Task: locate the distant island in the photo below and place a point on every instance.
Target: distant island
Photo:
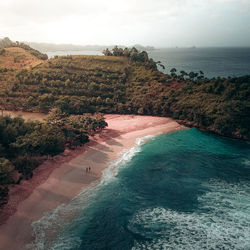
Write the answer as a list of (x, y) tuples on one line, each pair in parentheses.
[(52, 47)]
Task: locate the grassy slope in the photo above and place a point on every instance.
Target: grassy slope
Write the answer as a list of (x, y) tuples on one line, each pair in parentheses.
[(18, 58)]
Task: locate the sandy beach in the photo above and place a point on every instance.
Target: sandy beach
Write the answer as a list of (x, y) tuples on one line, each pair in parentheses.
[(57, 181)]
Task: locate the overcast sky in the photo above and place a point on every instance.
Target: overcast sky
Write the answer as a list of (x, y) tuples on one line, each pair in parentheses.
[(161, 23)]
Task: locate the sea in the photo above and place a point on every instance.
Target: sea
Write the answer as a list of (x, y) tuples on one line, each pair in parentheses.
[(182, 190), (214, 62)]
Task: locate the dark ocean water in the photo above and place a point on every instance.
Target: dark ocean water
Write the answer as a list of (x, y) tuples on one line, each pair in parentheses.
[(213, 62), (182, 190)]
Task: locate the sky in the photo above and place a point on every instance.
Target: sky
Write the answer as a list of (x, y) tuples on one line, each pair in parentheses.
[(159, 23)]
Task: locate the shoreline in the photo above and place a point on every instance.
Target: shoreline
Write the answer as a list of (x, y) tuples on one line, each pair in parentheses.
[(59, 180)]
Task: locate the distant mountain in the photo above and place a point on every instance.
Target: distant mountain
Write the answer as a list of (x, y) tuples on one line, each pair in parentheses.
[(50, 47)]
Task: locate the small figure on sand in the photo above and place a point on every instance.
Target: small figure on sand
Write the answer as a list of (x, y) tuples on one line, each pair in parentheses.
[(88, 169)]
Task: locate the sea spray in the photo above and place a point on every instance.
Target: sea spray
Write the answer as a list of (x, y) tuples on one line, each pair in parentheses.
[(46, 231)]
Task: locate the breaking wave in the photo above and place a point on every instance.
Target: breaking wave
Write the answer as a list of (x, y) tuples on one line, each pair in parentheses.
[(46, 231), (222, 221)]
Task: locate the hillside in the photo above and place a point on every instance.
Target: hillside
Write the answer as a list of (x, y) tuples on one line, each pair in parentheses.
[(130, 85), (7, 43), (17, 58)]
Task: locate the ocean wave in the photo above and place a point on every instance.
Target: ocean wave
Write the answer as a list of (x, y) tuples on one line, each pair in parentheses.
[(246, 162), (125, 156), (221, 222), (46, 231)]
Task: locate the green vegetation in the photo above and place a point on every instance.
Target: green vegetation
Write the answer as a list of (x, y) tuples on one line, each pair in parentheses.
[(133, 54), (125, 81), (24, 145), (118, 83)]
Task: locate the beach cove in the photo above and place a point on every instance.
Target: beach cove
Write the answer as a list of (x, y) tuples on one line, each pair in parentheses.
[(58, 181)]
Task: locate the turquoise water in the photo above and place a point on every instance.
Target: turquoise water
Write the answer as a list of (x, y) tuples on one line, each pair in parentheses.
[(183, 190)]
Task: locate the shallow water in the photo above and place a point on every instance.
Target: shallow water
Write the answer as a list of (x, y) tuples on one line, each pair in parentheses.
[(183, 190)]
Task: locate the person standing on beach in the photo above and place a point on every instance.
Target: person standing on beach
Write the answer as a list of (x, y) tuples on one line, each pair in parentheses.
[(87, 170)]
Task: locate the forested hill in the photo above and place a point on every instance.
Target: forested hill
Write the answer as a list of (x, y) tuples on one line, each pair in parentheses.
[(127, 82)]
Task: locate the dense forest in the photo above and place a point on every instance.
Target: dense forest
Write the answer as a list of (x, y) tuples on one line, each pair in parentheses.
[(124, 81)]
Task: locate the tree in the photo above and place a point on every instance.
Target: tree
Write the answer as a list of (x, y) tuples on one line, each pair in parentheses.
[(183, 74), (191, 75), (67, 83), (44, 140), (134, 50), (56, 117), (173, 72), (6, 169), (45, 102), (126, 52), (201, 75), (117, 51), (25, 164), (107, 52)]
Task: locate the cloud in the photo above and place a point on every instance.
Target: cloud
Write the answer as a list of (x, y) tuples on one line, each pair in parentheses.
[(47, 10), (157, 22)]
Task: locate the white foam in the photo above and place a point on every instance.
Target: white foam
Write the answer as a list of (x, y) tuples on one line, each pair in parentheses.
[(225, 225), (68, 243), (246, 162), (45, 230), (125, 156)]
